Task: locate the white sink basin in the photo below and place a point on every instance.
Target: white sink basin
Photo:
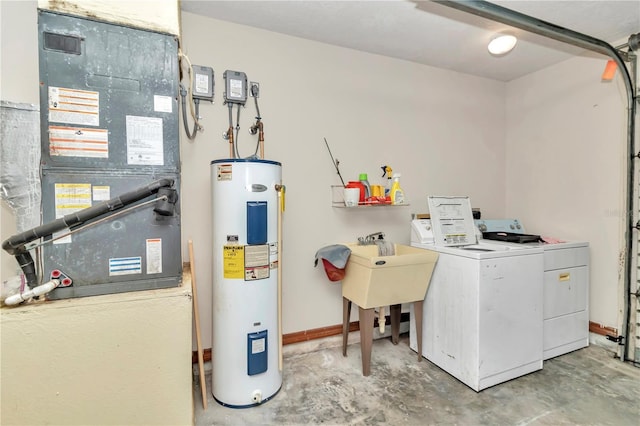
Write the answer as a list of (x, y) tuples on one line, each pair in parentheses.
[(371, 280)]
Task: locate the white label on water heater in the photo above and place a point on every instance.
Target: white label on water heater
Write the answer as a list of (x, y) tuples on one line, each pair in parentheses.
[(225, 172), (256, 262), (273, 254)]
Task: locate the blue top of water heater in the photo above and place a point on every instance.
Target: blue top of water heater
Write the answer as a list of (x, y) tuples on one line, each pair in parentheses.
[(246, 160)]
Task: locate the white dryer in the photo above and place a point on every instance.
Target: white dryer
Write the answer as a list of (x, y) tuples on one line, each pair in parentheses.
[(482, 320), (565, 284)]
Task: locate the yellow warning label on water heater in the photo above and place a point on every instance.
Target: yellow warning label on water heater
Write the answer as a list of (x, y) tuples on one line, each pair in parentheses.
[(233, 262)]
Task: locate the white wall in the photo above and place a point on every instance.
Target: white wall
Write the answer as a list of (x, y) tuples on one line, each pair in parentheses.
[(439, 129), (19, 53), (565, 166)]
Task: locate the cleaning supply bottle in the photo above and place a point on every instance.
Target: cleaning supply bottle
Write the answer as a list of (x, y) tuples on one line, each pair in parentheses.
[(387, 171), (397, 194), (360, 186), (367, 188)]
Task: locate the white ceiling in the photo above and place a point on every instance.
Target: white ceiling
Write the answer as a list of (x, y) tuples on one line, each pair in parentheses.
[(433, 34)]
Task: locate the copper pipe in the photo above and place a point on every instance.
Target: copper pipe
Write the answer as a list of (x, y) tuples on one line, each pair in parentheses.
[(230, 136), (261, 138)]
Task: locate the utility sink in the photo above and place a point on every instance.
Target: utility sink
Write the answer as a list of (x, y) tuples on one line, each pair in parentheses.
[(371, 280)]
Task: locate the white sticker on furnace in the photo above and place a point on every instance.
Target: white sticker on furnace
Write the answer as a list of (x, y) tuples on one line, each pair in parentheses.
[(154, 256), (144, 141), (78, 142), (72, 106), (101, 193), (162, 103)]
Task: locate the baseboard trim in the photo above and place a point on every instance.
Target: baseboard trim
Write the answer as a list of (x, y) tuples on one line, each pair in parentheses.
[(602, 330), (306, 335), (333, 330), (317, 333)]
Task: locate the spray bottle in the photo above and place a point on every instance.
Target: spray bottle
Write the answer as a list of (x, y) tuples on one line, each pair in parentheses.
[(397, 194), (387, 171)]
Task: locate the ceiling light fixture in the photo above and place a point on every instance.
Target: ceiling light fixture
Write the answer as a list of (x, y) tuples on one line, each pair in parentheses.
[(502, 44)]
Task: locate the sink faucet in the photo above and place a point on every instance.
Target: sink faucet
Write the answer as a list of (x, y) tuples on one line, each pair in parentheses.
[(370, 239)]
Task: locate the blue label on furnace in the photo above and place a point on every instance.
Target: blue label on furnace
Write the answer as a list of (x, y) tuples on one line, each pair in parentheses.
[(125, 265)]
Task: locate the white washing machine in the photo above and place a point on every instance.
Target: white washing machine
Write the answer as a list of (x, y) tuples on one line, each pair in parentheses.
[(482, 320), (565, 285)]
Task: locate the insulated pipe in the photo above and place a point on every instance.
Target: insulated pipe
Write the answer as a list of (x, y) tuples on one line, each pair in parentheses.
[(516, 19), (26, 263), (15, 245)]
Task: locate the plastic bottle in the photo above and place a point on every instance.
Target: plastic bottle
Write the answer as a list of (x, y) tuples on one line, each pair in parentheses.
[(387, 171), (367, 187), (387, 188), (397, 194), (360, 186)]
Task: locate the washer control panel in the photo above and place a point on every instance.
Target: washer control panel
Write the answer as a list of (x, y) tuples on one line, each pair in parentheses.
[(500, 225)]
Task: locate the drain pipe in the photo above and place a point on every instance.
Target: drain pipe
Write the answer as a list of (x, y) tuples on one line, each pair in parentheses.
[(34, 292), (524, 22)]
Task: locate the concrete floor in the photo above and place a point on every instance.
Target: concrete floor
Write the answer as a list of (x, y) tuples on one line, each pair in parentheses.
[(586, 387)]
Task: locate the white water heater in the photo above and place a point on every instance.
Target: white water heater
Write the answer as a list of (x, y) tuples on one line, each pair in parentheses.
[(246, 335)]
